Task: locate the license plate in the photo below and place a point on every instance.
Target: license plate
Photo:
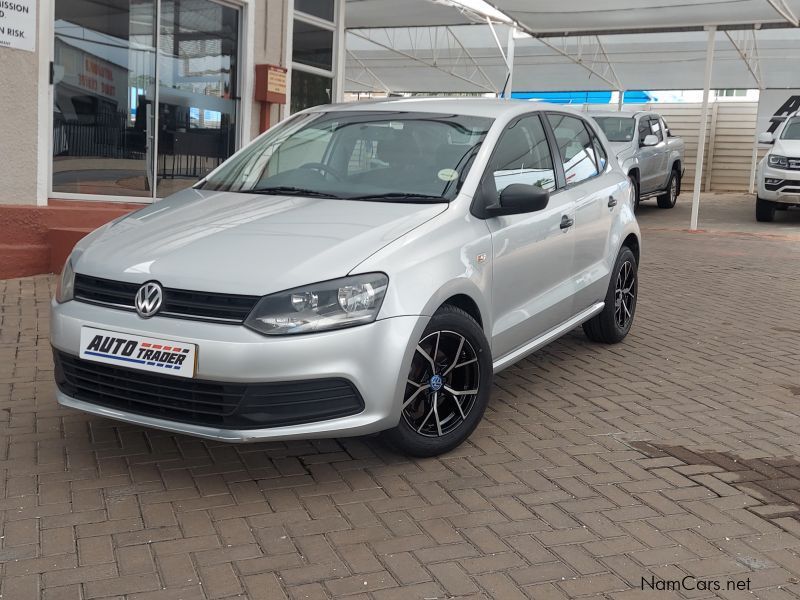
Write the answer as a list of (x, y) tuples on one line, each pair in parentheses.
[(168, 357)]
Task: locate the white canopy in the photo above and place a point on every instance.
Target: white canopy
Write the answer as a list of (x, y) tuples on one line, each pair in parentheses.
[(427, 46)]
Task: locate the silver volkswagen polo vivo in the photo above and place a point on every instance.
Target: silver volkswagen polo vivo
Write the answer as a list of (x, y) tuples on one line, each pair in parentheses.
[(358, 268)]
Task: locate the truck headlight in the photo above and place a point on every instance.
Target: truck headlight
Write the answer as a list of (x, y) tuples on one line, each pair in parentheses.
[(65, 288), (776, 160), (333, 304)]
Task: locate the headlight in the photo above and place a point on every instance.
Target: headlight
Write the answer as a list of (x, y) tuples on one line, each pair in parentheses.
[(776, 160), (321, 306), (66, 283)]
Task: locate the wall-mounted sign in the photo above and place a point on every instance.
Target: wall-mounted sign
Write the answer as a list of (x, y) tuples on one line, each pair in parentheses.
[(18, 24), (270, 84)]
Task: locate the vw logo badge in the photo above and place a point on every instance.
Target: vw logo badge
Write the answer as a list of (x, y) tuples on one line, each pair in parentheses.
[(436, 383), (148, 299)]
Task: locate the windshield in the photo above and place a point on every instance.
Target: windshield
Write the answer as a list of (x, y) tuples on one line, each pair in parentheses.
[(617, 129), (792, 129), (364, 155)]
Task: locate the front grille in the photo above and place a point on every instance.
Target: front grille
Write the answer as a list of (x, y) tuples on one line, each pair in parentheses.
[(179, 304), (794, 164), (209, 403)]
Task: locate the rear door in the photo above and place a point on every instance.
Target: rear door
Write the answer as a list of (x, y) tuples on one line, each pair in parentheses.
[(648, 159), (661, 154), (532, 283), (598, 195)]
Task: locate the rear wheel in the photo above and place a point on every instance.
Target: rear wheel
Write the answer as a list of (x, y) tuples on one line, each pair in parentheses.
[(614, 322), (670, 197), (447, 387), (765, 210)]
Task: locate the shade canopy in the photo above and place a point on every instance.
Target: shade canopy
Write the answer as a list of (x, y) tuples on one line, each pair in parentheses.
[(431, 46)]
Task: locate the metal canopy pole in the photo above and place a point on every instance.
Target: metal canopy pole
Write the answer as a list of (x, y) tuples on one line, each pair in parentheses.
[(510, 63), (701, 141)]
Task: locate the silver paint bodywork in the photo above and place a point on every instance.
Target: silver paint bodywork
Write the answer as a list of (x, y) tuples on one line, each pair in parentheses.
[(653, 163), (530, 280)]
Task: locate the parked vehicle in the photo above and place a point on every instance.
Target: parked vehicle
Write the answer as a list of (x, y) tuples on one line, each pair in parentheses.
[(358, 268), (778, 173), (647, 152)]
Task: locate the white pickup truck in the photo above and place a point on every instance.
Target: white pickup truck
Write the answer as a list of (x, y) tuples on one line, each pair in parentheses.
[(647, 151)]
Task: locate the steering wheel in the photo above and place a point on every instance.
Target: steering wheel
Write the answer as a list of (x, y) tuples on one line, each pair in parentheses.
[(323, 168)]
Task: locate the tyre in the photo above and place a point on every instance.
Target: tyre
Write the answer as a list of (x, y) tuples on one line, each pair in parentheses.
[(614, 322), (765, 210), (670, 197), (634, 192), (447, 387)]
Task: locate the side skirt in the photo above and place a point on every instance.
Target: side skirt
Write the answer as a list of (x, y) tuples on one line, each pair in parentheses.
[(544, 339)]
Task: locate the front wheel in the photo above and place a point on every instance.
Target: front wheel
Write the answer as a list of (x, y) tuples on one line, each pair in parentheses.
[(614, 322), (670, 196), (765, 210), (447, 387)]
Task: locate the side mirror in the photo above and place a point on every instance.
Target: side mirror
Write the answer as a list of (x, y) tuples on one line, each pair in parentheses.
[(519, 198), (766, 138), (650, 140)]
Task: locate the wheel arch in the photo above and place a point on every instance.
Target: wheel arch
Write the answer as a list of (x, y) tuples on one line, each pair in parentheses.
[(632, 242)]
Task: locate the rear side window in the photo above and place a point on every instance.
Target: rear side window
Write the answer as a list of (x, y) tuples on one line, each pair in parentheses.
[(523, 155), (599, 151), (575, 146)]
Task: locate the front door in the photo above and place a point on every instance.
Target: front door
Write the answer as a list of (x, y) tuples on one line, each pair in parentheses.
[(532, 253)]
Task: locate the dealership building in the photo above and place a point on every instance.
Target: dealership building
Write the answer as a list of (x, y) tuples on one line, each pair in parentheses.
[(132, 100)]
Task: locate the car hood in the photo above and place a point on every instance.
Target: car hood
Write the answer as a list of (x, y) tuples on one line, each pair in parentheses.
[(786, 148), (245, 243)]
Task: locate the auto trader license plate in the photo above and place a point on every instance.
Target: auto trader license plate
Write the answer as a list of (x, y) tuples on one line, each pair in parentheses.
[(168, 357)]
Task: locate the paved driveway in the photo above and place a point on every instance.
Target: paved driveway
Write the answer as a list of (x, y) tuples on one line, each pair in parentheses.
[(598, 470)]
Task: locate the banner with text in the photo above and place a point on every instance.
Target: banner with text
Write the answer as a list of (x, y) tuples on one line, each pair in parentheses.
[(774, 106)]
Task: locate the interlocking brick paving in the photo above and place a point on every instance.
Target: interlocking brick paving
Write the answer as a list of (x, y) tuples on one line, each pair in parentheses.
[(675, 453)]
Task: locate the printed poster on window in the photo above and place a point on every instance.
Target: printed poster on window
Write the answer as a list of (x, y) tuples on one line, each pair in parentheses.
[(18, 24), (774, 106)]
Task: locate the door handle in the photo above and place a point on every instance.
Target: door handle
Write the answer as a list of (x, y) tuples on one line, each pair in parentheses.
[(566, 222), (612, 201)]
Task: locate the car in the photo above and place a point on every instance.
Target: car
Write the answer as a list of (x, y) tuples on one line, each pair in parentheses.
[(647, 151), (778, 173), (359, 268)]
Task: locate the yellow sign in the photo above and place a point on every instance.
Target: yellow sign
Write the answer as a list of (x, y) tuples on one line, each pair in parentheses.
[(276, 81)]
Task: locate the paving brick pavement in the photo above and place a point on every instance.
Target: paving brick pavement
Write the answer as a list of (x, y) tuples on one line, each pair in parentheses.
[(673, 454)]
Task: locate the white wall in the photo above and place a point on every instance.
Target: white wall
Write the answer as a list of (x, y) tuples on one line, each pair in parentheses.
[(20, 121)]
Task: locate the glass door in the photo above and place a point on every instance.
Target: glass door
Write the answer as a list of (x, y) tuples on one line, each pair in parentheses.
[(104, 77), (198, 90)]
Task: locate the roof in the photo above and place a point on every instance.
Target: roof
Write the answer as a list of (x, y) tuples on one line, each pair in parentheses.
[(576, 45), (476, 107)]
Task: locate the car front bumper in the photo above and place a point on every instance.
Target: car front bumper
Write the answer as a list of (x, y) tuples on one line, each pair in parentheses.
[(374, 358), (779, 185)]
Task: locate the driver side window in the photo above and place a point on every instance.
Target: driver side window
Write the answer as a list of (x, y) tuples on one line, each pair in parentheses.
[(523, 156)]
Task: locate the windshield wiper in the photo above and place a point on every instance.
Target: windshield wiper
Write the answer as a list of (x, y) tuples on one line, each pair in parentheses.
[(400, 197), (288, 190)]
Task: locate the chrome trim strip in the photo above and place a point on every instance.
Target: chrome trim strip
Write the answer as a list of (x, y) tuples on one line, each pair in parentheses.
[(172, 315), (544, 339)]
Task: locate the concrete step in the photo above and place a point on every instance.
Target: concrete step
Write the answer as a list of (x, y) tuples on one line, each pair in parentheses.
[(21, 260)]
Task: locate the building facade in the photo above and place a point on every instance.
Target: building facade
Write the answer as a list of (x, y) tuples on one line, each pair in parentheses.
[(132, 100)]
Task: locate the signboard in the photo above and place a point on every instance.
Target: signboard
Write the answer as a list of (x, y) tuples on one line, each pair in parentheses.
[(774, 106), (18, 24), (276, 81), (270, 84)]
